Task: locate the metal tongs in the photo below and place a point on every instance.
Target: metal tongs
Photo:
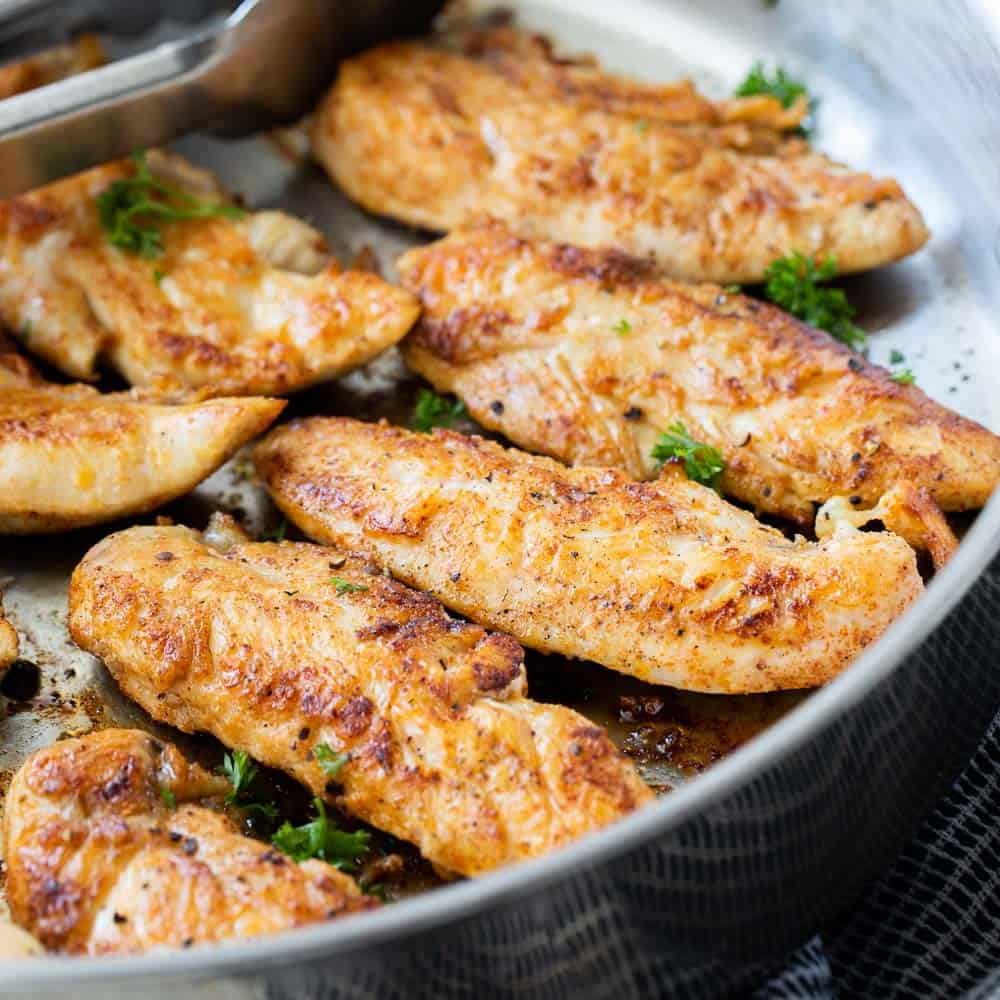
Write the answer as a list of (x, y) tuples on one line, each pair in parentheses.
[(260, 66)]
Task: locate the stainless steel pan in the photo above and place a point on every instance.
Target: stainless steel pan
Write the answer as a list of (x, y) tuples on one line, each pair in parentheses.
[(701, 893)]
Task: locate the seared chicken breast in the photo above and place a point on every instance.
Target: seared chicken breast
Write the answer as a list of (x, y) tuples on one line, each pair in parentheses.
[(278, 649), (589, 357), (16, 943), (240, 306), (664, 581), (569, 152), (8, 645), (70, 456), (108, 851), (51, 65)]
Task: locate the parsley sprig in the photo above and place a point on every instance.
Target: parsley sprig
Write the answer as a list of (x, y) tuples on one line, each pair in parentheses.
[(131, 210), (346, 587), (782, 85), (321, 838), (702, 463), (329, 760), (433, 410), (242, 770), (799, 285)]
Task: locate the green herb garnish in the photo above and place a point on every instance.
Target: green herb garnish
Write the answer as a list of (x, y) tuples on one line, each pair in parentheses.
[(329, 760), (797, 284), (641, 125), (781, 85), (702, 463), (321, 839), (168, 797), (904, 377), (433, 410), (896, 357), (622, 327), (346, 587), (278, 535), (241, 770), (131, 210)]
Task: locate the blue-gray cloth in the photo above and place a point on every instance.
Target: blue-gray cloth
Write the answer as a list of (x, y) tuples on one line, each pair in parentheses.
[(930, 928)]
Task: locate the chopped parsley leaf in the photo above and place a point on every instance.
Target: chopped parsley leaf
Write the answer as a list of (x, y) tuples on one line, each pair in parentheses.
[(702, 463), (168, 797), (642, 125), (241, 770), (346, 587), (798, 285), (782, 85), (622, 327), (329, 760), (132, 209), (433, 410), (904, 377), (896, 357), (321, 839), (278, 535), (158, 276)]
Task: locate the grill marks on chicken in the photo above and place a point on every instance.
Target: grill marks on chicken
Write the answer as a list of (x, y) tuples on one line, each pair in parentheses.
[(569, 152), (70, 456), (661, 580), (279, 648), (245, 306), (589, 357), (98, 863)]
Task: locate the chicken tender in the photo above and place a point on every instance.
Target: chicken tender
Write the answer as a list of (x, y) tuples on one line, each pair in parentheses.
[(9, 645), (251, 305), (709, 192), (70, 456), (589, 357), (109, 852), (279, 649), (661, 580), (51, 65)]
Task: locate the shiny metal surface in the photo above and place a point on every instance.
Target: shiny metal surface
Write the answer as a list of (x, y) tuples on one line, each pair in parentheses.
[(699, 893), (261, 65)]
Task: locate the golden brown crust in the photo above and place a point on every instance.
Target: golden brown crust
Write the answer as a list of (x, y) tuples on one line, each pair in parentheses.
[(98, 863), (571, 153), (70, 456), (52, 65), (8, 641), (257, 644), (531, 336), (253, 306), (530, 63), (662, 580)]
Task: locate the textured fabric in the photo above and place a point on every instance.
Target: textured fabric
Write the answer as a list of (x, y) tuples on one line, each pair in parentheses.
[(931, 926)]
